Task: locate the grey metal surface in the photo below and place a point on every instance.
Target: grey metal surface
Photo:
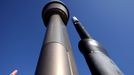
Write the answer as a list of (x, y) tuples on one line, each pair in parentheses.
[(53, 60), (57, 33), (97, 59), (100, 64), (56, 56), (70, 52), (55, 30), (80, 29), (55, 7)]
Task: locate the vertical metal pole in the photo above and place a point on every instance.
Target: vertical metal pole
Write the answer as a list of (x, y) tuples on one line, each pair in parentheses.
[(56, 56), (96, 57)]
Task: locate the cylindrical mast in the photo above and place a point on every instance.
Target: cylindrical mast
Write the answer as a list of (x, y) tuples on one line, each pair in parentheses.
[(96, 57), (56, 57)]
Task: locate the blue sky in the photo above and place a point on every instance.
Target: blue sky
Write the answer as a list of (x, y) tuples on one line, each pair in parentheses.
[(111, 22)]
